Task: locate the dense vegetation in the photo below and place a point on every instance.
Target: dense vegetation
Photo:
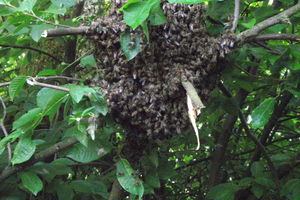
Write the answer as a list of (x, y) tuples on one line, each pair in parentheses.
[(59, 139)]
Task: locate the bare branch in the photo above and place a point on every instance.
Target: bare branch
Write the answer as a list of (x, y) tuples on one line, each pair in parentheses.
[(4, 84), (279, 18), (82, 30), (33, 82), (291, 37), (9, 152), (236, 15), (30, 48)]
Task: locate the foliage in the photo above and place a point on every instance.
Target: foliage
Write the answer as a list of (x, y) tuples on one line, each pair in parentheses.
[(66, 145)]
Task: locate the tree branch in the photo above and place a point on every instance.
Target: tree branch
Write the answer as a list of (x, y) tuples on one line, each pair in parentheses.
[(9, 152), (291, 37), (31, 48), (236, 15), (82, 30), (279, 18)]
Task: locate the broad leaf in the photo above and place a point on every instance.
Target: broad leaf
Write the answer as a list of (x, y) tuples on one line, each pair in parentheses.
[(24, 150), (64, 3), (47, 72), (28, 120), (88, 61), (37, 30), (188, 1), (65, 192), (31, 182), (291, 189), (92, 152), (136, 13), (127, 178), (16, 85), (224, 191), (90, 187), (157, 16), (27, 5), (80, 135), (129, 47), (261, 114), (78, 91), (257, 169), (50, 100), (10, 138)]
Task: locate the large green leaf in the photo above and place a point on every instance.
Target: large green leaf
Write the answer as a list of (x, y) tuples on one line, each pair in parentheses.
[(79, 134), (127, 178), (64, 3), (129, 47), (24, 150), (16, 85), (10, 138), (50, 100), (29, 119), (136, 13), (189, 1), (90, 187), (31, 182), (257, 169), (291, 189), (157, 16), (261, 114), (78, 91), (65, 192), (27, 5), (224, 191), (88, 61), (92, 152), (37, 30)]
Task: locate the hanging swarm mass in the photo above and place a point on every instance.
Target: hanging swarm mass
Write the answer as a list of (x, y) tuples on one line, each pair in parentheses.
[(145, 94)]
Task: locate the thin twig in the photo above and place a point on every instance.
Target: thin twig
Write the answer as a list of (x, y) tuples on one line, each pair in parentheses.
[(30, 48), (4, 84), (46, 21), (9, 152), (236, 15), (33, 82)]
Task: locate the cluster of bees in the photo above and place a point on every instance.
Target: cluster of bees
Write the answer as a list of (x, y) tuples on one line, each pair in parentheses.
[(145, 94)]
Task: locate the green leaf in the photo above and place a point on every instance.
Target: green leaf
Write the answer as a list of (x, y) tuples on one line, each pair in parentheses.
[(28, 118), (64, 3), (224, 191), (157, 16), (92, 152), (291, 189), (64, 192), (188, 1), (78, 91), (47, 98), (294, 66), (129, 47), (27, 5), (257, 190), (166, 169), (152, 179), (80, 135), (154, 158), (262, 113), (90, 187), (249, 24), (47, 72), (37, 30), (99, 102), (88, 61), (127, 178), (136, 13), (257, 169), (31, 182), (145, 30), (24, 150), (10, 138), (56, 10), (16, 86)]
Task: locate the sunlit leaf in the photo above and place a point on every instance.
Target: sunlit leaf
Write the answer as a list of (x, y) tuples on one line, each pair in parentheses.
[(88, 61), (262, 113), (16, 86), (24, 150)]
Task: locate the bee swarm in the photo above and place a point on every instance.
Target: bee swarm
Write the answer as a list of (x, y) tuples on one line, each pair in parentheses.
[(145, 94)]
